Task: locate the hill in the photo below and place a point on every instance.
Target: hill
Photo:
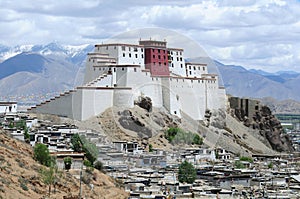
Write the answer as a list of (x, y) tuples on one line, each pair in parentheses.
[(241, 82), (20, 176)]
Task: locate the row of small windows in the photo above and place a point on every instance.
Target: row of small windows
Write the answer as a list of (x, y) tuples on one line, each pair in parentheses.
[(199, 68), (177, 58), (159, 63), (199, 81), (135, 49), (136, 55), (171, 52), (181, 65), (158, 56), (159, 51)]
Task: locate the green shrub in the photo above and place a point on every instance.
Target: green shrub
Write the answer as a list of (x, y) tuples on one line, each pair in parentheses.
[(239, 165), (179, 136), (247, 159), (99, 166), (42, 155), (187, 172), (87, 163)]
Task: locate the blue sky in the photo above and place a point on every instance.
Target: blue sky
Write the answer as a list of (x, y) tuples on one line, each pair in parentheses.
[(256, 34)]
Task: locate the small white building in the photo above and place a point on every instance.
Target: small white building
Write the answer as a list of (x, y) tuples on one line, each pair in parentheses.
[(8, 107)]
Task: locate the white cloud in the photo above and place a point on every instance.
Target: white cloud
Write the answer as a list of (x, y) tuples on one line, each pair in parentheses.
[(258, 34)]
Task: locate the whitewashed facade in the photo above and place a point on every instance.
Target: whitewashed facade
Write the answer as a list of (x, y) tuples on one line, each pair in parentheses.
[(116, 76)]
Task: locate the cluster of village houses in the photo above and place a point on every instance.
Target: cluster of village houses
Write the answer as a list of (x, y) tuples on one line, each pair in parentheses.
[(154, 174)]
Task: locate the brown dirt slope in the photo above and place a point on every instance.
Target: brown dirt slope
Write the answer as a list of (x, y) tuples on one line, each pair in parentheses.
[(20, 177)]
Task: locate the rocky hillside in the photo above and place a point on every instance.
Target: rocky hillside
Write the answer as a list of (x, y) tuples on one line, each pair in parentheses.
[(260, 118), (20, 177)]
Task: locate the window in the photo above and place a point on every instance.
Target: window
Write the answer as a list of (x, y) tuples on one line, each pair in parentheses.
[(203, 68), (142, 56), (159, 63), (135, 49), (129, 48), (123, 48), (177, 53), (190, 72), (134, 69), (123, 54), (136, 56), (153, 56), (175, 112), (199, 68), (177, 59), (114, 69), (154, 63), (164, 57), (123, 69), (142, 49), (171, 52), (180, 53), (190, 67), (172, 65), (158, 56), (158, 50), (180, 58), (181, 65), (129, 54), (106, 47), (194, 67), (115, 47), (165, 63), (152, 50)]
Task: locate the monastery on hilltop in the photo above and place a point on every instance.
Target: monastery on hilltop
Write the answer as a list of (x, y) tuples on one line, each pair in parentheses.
[(118, 74)]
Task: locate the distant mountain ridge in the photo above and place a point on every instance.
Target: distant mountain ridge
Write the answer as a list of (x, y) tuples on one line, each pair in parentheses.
[(241, 82)]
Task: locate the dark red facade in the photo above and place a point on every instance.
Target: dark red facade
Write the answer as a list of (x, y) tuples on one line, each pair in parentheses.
[(156, 57)]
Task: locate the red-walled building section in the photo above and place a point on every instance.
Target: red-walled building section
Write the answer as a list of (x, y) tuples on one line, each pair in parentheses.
[(156, 57)]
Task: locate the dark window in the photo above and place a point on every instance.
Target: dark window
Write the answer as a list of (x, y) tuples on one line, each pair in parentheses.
[(181, 65), (135, 55), (180, 58), (154, 56), (164, 57), (159, 63), (142, 56), (129, 54), (158, 56), (122, 68), (194, 68), (190, 72), (172, 65), (142, 49), (177, 59), (123, 54), (165, 63), (158, 50), (123, 47), (203, 68), (134, 69)]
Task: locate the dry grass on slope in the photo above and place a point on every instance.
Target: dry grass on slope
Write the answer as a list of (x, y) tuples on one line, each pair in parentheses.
[(20, 177)]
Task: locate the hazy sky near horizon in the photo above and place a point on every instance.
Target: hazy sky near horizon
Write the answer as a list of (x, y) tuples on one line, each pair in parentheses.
[(255, 34)]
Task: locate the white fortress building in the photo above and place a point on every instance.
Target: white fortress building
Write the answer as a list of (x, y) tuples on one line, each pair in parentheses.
[(117, 74)]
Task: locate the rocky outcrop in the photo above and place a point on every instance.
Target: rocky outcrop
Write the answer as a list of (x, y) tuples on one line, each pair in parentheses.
[(260, 118), (145, 103)]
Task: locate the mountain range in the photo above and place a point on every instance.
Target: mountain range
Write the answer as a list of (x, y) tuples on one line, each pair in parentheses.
[(32, 73)]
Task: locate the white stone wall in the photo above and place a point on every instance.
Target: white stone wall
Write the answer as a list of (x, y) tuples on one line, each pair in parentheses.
[(8, 108), (195, 70), (61, 106), (177, 65), (190, 96), (123, 98), (95, 101), (125, 54), (143, 84)]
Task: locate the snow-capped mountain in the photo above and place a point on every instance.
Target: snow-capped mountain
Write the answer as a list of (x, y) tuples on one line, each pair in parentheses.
[(75, 54)]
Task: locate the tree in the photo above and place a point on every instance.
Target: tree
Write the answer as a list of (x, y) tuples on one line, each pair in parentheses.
[(187, 172), (239, 165), (68, 162), (42, 155), (150, 148), (81, 144), (247, 159), (99, 166), (197, 140), (50, 176), (76, 143)]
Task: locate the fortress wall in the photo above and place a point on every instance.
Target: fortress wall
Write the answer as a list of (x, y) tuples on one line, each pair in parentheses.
[(190, 95), (105, 81), (170, 97), (121, 76), (95, 101), (91, 73), (212, 94), (77, 105), (61, 106), (123, 98), (143, 84)]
